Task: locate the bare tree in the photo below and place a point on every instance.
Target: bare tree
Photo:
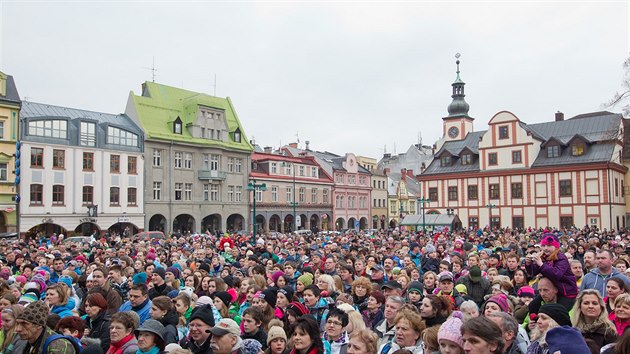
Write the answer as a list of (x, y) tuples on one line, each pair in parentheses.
[(622, 98)]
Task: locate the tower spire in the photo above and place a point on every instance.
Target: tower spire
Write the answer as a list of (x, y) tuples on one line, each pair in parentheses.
[(458, 107)]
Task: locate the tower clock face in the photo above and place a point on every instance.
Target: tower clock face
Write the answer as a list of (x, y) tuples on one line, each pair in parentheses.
[(453, 132)]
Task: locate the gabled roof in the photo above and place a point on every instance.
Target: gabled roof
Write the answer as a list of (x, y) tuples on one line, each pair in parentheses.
[(161, 104), (12, 96), (326, 159)]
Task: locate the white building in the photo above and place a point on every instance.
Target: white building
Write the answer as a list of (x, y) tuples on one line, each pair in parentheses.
[(74, 162)]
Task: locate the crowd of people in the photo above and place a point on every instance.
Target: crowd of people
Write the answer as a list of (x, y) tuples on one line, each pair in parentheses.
[(532, 291)]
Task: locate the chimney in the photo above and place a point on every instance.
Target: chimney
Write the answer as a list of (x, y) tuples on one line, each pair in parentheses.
[(386, 171), (403, 174), (268, 149), (293, 145), (307, 144), (410, 173), (559, 116), (422, 168)]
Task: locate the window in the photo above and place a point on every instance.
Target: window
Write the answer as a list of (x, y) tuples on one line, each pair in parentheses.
[(258, 194), (114, 196), (118, 136), (157, 158), (325, 196), (392, 207), (492, 158), (504, 132), (301, 171), (565, 188), (230, 194), (114, 163), (214, 162), (57, 197), (238, 194), (473, 193), (466, 159), (88, 161), (88, 134), (131, 196), (238, 165), (362, 180), (517, 190), (157, 190), (518, 222), (132, 165), (452, 193), (177, 126), (473, 222), (314, 172), (1, 129), (206, 192), (3, 171), (178, 191), (37, 157), (493, 191), (214, 193), (178, 160), (88, 195), (314, 195), (566, 222), (59, 159), (433, 194), (553, 151), (352, 180), (577, 149), (237, 135), (289, 194), (49, 128), (274, 194), (445, 161), (230, 164), (274, 168), (37, 194), (188, 160), (516, 156), (188, 191), (301, 195), (287, 169)]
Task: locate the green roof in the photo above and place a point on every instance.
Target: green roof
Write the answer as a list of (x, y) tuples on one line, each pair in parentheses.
[(160, 105)]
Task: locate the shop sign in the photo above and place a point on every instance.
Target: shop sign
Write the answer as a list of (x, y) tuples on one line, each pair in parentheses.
[(84, 220), (124, 219)]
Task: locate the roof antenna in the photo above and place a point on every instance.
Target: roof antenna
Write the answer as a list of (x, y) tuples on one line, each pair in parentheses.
[(153, 70), (215, 85)]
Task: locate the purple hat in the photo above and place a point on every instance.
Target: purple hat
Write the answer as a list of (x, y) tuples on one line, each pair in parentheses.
[(500, 300), (451, 329)]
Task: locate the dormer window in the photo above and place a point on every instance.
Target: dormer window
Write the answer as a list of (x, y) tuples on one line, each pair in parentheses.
[(504, 132), (577, 149), (177, 126), (237, 135), (445, 161), (553, 151), (466, 159)]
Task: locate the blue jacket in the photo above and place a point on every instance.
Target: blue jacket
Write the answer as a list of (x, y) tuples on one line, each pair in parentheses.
[(596, 280), (64, 310), (143, 312)]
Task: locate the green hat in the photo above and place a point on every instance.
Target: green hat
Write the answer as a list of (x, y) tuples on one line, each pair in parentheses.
[(306, 279)]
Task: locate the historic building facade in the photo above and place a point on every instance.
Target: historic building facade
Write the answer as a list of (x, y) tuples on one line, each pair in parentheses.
[(81, 171), (403, 191), (558, 173), (198, 160), (9, 118), (289, 180)]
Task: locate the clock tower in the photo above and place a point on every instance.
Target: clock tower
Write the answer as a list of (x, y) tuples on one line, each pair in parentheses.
[(458, 123)]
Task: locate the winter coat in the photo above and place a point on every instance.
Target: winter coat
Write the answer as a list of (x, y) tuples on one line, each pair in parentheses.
[(370, 319), (385, 335), (143, 311), (170, 321), (596, 280), (477, 291), (99, 329), (559, 272), (64, 310), (601, 335), (389, 348), (320, 313)]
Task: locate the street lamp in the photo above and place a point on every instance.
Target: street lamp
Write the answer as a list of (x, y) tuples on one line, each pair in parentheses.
[(423, 201), (490, 207), (252, 186), (293, 203)]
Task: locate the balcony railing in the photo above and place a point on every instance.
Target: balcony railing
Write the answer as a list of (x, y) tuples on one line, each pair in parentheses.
[(211, 175)]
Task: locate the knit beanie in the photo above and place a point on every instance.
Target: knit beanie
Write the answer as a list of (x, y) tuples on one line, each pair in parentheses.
[(204, 314), (276, 275), (160, 272), (251, 346), (270, 296), (501, 300), (557, 312), (306, 279), (173, 270), (298, 309), (549, 239), (35, 313), (415, 286), (224, 296), (287, 292), (526, 291), (566, 339), (276, 332), (451, 329), (140, 278)]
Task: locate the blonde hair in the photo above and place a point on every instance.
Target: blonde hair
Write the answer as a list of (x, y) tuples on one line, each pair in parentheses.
[(622, 299), (579, 320), (368, 337), (330, 281), (62, 291)]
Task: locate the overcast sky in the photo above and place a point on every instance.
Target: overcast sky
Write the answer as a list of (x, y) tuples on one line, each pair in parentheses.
[(351, 76)]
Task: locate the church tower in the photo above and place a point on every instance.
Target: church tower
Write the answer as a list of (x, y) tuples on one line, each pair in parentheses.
[(458, 123)]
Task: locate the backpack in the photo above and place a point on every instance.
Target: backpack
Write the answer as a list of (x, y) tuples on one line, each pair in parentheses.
[(75, 342)]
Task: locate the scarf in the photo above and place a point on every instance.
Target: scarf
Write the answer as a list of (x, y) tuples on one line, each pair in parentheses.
[(153, 350), (117, 348), (141, 306)]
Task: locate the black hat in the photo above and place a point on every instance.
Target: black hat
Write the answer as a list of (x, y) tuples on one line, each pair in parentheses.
[(415, 286), (224, 296), (203, 313), (161, 272), (287, 291), (270, 296), (557, 312), (205, 266), (392, 284)]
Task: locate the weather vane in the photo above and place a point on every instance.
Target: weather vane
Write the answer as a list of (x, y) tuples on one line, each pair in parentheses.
[(457, 55)]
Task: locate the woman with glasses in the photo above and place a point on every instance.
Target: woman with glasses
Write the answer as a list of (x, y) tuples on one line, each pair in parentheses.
[(335, 337)]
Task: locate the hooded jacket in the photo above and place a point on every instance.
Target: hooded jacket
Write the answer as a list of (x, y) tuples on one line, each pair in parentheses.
[(64, 310), (596, 280), (559, 272)]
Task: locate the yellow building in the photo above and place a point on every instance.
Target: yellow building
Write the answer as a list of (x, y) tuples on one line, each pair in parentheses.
[(9, 117), (403, 192)]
